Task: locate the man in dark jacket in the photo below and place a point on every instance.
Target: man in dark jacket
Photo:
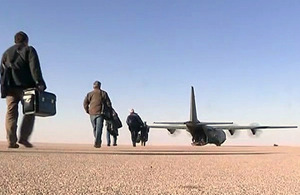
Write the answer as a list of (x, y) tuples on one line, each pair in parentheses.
[(144, 134), (112, 127), (94, 104), (135, 124), (20, 69)]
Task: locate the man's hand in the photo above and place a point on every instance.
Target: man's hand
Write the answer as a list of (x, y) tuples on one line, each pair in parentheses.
[(41, 87)]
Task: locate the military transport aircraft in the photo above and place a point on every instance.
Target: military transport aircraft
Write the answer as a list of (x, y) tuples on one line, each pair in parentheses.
[(207, 132)]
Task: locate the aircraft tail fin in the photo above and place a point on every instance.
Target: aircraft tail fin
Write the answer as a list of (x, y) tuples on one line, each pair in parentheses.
[(193, 111)]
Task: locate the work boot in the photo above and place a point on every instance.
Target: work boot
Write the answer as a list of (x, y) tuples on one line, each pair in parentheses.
[(14, 145), (114, 144), (97, 146), (26, 143)]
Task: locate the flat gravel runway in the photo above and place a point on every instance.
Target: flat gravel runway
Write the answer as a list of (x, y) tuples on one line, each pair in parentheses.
[(82, 169)]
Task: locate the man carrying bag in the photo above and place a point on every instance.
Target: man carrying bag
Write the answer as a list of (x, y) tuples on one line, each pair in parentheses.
[(20, 69), (98, 105)]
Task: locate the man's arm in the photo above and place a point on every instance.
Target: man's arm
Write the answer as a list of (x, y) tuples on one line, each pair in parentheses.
[(127, 120), (140, 120), (107, 100), (86, 103), (35, 68), (3, 73), (2, 64)]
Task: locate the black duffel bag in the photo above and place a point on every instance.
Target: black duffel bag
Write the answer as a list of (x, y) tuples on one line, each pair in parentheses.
[(39, 103)]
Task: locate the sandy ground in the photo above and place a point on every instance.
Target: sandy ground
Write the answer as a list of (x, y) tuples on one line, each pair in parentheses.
[(82, 169)]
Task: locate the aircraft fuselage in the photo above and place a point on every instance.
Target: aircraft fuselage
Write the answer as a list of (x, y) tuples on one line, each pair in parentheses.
[(203, 134)]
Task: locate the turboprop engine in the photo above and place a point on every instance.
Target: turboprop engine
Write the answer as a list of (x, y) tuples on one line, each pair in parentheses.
[(172, 131)]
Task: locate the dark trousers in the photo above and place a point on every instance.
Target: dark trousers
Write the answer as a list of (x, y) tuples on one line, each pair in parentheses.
[(134, 133), (108, 138), (14, 96)]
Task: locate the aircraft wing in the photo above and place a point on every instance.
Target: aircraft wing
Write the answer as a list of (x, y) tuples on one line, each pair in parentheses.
[(253, 128), (171, 128), (200, 123), (237, 127), (170, 123), (168, 126)]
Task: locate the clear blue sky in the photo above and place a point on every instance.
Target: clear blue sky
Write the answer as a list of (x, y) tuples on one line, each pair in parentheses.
[(242, 57)]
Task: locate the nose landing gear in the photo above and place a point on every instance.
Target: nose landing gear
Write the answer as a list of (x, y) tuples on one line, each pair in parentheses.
[(201, 142)]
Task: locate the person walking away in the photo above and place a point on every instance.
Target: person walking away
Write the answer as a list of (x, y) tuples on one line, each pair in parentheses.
[(135, 124), (144, 134), (20, 69), (110, 132), (94, 103), (112, 127)]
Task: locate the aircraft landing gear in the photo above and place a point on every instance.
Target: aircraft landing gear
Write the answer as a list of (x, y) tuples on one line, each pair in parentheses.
[(202, 142)]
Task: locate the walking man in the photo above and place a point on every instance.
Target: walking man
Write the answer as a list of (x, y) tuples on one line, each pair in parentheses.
[(135, 124), (144, 134), (20, 69), (94, 104), (112, 127)]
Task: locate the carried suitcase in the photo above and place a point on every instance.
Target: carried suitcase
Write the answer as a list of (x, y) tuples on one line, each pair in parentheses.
[(39, 103)]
